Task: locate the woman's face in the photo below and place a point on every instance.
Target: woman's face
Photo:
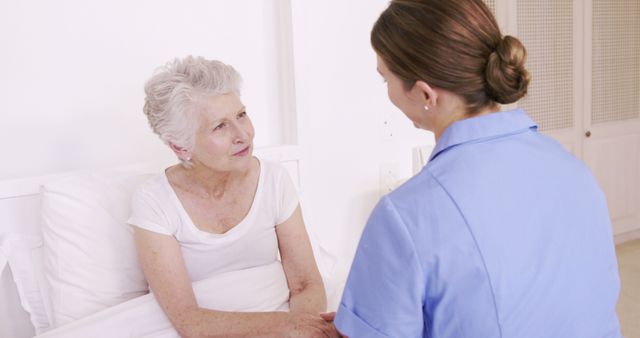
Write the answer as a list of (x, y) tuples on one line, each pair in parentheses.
[(224, 139), (409, 102)]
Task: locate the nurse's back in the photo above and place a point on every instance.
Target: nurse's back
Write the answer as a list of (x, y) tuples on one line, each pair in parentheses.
[(539, 225), (503, 233)]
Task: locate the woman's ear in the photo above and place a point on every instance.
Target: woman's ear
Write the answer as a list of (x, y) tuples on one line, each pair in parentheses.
[(426, 94), (180, 152)]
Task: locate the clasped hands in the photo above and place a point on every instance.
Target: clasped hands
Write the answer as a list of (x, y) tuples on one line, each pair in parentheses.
[(313, 326)]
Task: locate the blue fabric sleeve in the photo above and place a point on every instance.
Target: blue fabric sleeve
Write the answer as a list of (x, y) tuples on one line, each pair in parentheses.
[(384, 293)]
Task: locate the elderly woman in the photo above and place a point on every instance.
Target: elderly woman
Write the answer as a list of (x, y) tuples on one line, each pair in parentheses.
[(222, 212)]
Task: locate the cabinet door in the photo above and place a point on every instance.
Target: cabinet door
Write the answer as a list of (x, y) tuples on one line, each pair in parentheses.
[(585, 65), (550, 31), (612, 120)]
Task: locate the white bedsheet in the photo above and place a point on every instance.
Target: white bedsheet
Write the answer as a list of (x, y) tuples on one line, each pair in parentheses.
[(261, 288)]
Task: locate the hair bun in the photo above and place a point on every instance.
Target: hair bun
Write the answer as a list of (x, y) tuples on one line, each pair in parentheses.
[(506, 78)]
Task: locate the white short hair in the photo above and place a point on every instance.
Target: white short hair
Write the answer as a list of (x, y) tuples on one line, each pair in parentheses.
[(171, 94)]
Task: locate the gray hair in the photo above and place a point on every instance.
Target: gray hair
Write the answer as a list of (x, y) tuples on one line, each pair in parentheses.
[(173, 90)]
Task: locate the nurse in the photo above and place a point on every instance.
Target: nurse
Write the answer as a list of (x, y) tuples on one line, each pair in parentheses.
[(503, 233)]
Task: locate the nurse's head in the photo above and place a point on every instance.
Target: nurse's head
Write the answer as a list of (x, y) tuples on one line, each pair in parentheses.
[(446, 60)]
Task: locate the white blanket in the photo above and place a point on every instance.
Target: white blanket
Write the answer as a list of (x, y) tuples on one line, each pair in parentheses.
[(261, 288)]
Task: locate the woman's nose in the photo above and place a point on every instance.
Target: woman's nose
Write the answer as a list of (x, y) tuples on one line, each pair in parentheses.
[(241, 135)]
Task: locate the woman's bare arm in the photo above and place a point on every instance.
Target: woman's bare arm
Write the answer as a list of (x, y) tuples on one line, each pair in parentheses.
[(164, 268), (305, 284)]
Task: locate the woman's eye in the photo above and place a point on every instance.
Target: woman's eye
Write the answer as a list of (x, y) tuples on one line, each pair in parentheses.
[(220, 126), (243, 114)]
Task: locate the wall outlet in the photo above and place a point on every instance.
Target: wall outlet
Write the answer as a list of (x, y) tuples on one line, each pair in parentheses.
[(421, 156)]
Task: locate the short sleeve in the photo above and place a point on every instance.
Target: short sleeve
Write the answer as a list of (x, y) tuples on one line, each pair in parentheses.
[(384, 293), (147, 213), (287, 196)]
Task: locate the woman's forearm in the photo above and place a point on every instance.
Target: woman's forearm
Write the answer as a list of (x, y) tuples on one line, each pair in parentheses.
[(310, 298), (201, 322), (210, 323)]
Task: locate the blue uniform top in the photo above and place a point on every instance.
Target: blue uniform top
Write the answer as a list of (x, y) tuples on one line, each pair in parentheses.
[(502, 234)]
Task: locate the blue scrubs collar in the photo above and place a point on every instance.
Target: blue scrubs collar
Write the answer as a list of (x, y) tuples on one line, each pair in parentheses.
[(483, 128)]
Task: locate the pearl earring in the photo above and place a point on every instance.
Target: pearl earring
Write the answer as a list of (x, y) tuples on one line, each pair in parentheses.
[(426, 107)]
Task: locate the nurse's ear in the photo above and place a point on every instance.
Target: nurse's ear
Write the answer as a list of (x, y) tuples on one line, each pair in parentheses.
[(427, 96)]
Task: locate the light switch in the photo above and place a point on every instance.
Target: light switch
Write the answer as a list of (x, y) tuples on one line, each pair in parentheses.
[(421, 156)]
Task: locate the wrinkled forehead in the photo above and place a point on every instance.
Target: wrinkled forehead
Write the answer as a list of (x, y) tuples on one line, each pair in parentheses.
[(211, 108)]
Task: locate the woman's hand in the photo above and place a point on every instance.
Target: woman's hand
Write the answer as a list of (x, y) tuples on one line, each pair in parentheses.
[(328, 316), (306, 325)]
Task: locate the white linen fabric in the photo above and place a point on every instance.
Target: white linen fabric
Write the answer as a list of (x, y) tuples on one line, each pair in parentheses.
[(251, 243), (262, 288)]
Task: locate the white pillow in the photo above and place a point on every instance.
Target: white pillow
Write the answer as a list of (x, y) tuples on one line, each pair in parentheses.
[(90, 261)]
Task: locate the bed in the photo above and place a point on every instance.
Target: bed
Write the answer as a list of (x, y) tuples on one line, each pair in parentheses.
[(68, 265)]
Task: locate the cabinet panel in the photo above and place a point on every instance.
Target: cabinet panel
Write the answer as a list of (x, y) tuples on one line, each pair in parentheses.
[(546, 29), (491, 4), (615, 162), (615, 60), (612, 120), (584, 59)]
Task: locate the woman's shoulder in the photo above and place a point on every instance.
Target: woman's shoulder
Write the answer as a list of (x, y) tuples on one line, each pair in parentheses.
[(274, 176), (152, 206)]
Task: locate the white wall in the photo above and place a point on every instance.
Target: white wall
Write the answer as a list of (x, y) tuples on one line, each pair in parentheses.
[(342, 108), (72, 74)]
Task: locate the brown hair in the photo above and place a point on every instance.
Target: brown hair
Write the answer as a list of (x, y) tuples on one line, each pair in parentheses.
[(455, 45)]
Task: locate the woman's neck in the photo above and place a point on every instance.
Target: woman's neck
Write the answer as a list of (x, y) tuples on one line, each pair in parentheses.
[(206, 182)]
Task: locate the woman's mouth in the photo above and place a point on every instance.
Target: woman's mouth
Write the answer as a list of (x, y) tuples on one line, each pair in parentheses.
[(243, 152)]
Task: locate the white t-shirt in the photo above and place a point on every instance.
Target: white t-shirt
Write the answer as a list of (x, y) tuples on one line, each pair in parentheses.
[(251, 243)]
